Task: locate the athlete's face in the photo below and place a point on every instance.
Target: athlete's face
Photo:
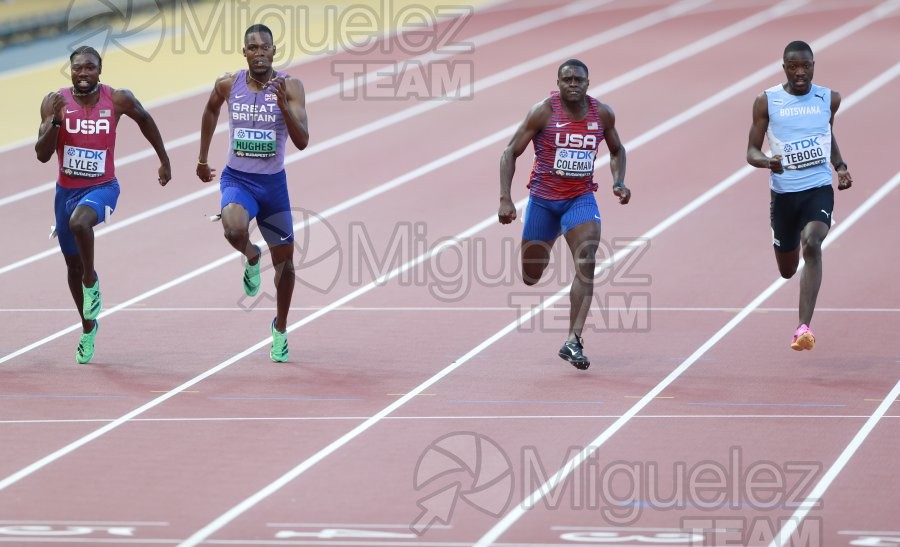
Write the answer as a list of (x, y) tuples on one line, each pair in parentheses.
[(85, 71), (573, 83), (259, 51), (798, 67)]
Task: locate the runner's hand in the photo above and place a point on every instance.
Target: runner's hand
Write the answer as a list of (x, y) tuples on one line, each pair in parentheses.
[(623, 193), (844, 179), (775, 164), (165, 174), (507, 211), (205, 173)]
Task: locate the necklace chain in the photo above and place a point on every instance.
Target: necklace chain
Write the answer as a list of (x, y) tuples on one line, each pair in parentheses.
[(93, 90), (262, 85)]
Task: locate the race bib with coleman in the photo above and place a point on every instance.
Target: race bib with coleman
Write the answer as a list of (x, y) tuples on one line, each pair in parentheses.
[(83, 162), (574, 163), (253, 143), (805, 153)]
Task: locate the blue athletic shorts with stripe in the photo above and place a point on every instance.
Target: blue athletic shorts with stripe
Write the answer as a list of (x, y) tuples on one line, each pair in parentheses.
[(546, 219), (98, 198), (265, 197)]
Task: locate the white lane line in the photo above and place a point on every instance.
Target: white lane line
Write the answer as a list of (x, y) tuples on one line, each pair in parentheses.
[(812, 500), (349, 136), (456, 417), (372, 76), (531, 500), (269, 309), (416, 174)]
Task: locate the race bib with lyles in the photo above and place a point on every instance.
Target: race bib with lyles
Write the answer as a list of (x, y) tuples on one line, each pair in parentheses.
[(574, 163), (253, 143), (804, 153), (83, 162)]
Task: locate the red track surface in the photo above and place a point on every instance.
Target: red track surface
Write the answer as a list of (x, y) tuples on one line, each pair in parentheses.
[(313, 452)]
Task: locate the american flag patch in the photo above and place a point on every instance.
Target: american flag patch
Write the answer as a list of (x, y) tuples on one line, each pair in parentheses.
[(593, 126), (105, 113)]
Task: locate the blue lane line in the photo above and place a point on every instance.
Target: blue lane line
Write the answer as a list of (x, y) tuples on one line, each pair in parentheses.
[(515, 402), (767, 404)]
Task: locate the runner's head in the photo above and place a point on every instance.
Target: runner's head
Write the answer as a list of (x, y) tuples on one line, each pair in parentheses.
[(259, 49), (572, 79), (86, 65), (798, 67)]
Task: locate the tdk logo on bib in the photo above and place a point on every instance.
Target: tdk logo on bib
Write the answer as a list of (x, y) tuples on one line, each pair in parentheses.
[(255, 134), (802, 144), (86, 154)]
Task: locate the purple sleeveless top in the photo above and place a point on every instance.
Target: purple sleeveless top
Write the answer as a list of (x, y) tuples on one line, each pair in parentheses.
[(256, 128)]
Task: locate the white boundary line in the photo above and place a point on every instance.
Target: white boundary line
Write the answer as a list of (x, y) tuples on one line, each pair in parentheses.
[(531, 500), (812, 500), (636, 25), (458, 417), (269, 309)]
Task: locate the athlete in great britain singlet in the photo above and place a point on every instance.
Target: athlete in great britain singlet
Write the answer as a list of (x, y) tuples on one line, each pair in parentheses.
[(265, 108), (566, 130)]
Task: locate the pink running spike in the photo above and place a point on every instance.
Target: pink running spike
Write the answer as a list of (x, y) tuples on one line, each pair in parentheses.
[(803, 339)]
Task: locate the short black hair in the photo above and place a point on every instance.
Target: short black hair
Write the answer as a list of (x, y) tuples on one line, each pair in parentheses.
[(262, 29), (88, 50), (797, 45), (572, 62)]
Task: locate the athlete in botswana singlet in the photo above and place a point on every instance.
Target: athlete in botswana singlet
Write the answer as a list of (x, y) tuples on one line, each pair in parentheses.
[(566, 129), (797, 118)]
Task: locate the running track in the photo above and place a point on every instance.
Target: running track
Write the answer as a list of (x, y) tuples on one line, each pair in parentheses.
[(414, 343)]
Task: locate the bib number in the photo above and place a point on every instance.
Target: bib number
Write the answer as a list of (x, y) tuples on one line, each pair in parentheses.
[(803, 154), (574, 163), (253, 143), (83, 162)]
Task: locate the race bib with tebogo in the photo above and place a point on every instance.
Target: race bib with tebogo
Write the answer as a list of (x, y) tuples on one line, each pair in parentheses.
[(83, 162), (574, 163), (253, 143), (805, 153)]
